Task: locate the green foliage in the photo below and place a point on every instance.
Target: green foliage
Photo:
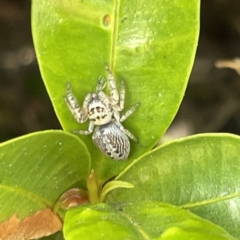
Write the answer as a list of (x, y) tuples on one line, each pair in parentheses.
[(151, 45), (37, 168), (138, 220), (197, 173), (144, 44)]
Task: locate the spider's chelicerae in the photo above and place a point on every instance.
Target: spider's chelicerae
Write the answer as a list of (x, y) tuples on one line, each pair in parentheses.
[(104, 112)]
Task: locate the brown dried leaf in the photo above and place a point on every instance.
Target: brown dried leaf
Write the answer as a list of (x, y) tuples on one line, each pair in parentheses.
[(42, 223)]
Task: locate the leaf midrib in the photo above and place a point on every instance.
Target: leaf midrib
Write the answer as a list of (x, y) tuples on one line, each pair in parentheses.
[(136, 226), (26, 194), (114, 34)]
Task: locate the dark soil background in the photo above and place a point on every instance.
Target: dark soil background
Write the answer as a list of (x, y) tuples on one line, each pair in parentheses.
[(211, 103)]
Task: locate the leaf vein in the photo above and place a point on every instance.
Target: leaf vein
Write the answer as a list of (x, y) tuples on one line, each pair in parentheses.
[(27, 194)]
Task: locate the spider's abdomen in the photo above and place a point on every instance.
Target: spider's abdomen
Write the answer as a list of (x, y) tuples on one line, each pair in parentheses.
[(112, 141), (99, 113)]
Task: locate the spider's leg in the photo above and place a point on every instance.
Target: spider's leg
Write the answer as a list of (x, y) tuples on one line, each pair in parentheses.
[(129, 112), (85, 132), (73, 106), (116, 115), (84, 110), (100, 84), (104, 98), (118, 108), (114, 95), (127, 132), (122, 96)]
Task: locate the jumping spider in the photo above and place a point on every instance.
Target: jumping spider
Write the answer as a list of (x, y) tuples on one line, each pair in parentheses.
[(104, 112)]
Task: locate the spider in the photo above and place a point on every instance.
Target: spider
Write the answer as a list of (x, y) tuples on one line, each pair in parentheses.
[(104, 112)]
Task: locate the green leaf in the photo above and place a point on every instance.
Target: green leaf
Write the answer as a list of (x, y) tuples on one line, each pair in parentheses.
[(199, 173), (108, 187), (151, 45), (36, 169), (138, 220)]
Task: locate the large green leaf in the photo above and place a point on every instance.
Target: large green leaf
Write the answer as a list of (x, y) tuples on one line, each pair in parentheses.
[(200, 173), (37, 168), (150, 44), (138, 220)]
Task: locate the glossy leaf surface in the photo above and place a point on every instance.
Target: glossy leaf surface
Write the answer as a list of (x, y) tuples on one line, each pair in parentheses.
[(144, 43), (199, 173), (37, 168), (139, 220)]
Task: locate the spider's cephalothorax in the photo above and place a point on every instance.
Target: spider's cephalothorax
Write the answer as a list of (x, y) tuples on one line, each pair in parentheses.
[(104, 112)]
